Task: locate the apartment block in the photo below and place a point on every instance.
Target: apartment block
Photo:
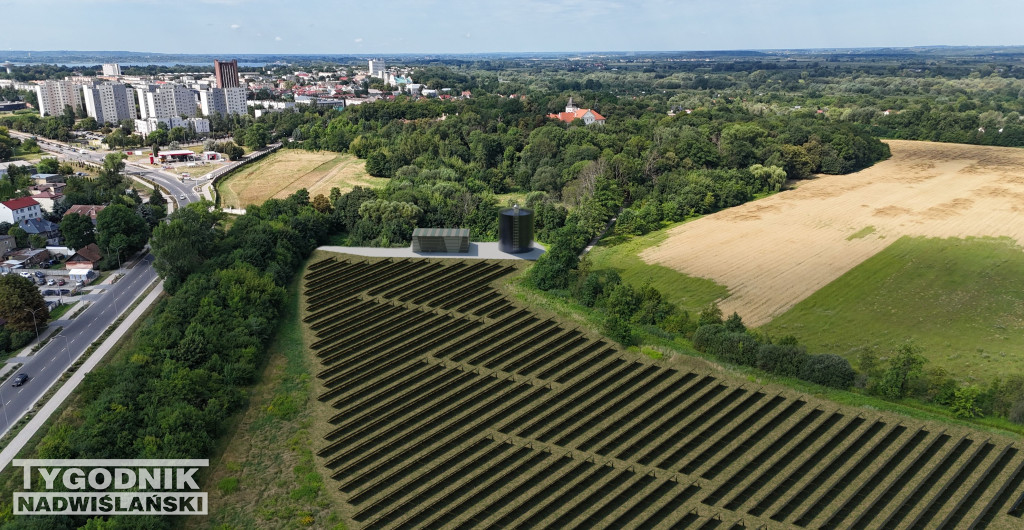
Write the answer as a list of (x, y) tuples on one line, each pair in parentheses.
[(165, 101), (223, 101), (109, 102)]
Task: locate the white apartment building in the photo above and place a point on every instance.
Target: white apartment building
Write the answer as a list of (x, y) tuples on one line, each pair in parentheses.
[(165, 101), (377, 68), (112, 69), (146, 126), (109, 102), (223, 101), (17, 210), (55, 95)]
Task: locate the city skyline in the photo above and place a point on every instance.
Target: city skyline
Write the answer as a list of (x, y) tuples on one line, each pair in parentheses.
[(460, 26)]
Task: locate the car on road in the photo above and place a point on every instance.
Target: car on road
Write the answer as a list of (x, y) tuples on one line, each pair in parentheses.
[(182, 196), (19, 379)]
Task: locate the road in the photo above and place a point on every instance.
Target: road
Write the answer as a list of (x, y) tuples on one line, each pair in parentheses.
[(53, 359), (165, 179)]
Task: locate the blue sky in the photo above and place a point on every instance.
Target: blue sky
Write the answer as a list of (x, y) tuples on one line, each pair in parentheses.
[(466, 26)]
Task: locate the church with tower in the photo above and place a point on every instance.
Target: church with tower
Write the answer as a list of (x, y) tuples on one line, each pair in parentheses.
[(572, 112)]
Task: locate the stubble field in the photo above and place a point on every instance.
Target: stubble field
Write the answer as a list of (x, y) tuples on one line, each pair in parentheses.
[(775, 252), (289, 170)]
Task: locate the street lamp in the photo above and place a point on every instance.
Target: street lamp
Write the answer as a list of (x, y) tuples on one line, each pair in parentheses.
[(34, 324)]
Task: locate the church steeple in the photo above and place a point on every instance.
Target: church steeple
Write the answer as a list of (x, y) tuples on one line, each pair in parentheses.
[(571, 107)]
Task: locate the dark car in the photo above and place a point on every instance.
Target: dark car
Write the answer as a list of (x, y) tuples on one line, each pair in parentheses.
[(39, 274), (41, 281), (19, 380), (65, 292), (50, 292)]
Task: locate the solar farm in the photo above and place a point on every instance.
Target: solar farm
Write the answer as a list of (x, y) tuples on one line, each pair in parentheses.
[(452, 406)]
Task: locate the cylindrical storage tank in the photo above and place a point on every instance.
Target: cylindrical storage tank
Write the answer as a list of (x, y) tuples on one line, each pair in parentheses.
[(515, 230)]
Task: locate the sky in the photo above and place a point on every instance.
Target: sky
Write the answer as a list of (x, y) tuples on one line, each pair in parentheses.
[(480, 26)]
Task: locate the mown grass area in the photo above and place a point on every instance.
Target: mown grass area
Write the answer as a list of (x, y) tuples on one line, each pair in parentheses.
[(265, 476), (961, 300), (621, 253), (61, 311), (288, 170)]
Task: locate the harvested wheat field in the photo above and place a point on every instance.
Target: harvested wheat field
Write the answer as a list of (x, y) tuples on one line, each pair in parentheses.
[(775, 252), (289, 170)]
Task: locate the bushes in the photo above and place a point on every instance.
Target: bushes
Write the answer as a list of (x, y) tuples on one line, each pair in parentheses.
[(828, 369)]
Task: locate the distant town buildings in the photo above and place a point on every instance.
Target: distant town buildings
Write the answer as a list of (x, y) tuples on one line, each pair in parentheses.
[(54, 95), (109, 102), (572, 112), (112, 69), (226, 73), (377, 68), (223, 101)]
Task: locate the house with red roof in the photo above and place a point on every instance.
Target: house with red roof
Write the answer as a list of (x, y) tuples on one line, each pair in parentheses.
[(16, 210), (572, 112)]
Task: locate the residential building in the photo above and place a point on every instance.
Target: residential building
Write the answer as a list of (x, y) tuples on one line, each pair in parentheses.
[(48, 199), (49, 230), (572, 112), (146, 126), (226, 73), (88, 210), (109, 103), (54, 95), (17, 210), (223, 101), (377, 68), (165, 101), (112, 69)]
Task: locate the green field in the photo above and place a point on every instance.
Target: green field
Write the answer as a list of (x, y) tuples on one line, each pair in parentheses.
[(620, 252), (962, 300)]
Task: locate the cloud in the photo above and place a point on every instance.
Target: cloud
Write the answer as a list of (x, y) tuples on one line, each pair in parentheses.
[(235, 26), (358, 39), (278, 38)]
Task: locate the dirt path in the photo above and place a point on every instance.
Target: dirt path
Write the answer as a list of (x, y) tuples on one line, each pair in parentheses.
[(775, 252)]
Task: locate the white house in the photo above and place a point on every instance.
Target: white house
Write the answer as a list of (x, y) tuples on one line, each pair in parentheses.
[(17, 210)]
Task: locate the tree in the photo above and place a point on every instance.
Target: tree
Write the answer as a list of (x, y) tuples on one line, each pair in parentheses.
[(19, 301), (121, 232), (256, 137), (20, 236), (965, 402), (829, 370), (48, 165), (904, 366), (37, 241), (77, 230), (182, 245)]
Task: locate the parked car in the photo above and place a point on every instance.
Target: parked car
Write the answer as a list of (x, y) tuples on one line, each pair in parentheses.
[(61, 281), (25, 274), (65, 292), (39, 274), (51, 281), (19, 379), (40, 281), (50, 292)]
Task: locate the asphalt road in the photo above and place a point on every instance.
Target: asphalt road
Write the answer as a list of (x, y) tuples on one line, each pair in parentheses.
[(167, 180), (53, 359)]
